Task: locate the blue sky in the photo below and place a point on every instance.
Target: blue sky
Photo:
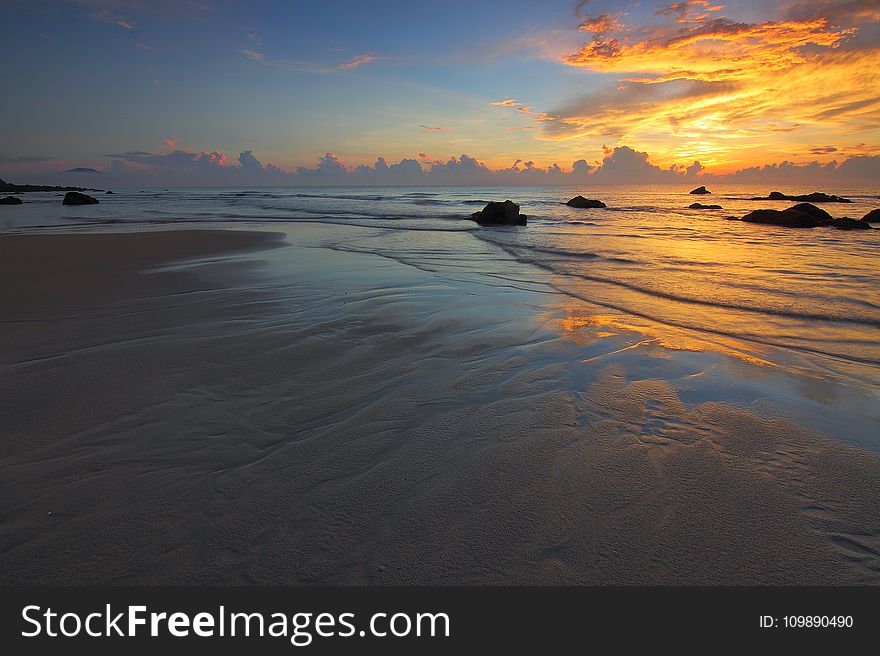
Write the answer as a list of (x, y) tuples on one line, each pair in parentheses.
[(291, 81)]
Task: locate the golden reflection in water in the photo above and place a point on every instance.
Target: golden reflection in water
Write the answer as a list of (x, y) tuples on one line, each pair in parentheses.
[(586, 326)]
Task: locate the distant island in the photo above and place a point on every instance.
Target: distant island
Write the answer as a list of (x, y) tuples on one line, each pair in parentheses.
[(8, 187)]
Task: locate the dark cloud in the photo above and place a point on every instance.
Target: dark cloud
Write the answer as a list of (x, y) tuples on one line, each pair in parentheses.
[(625, 165), (618, 165)]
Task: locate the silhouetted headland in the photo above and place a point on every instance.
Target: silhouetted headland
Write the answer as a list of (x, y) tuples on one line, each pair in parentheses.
[(17, 188)]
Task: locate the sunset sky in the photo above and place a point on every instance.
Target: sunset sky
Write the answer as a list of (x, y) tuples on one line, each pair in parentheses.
[(140, 86)]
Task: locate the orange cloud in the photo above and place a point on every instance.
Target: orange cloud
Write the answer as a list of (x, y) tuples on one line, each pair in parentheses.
[(144, 46), (509, 102), (717, 49), (725, 91), (601, 23)]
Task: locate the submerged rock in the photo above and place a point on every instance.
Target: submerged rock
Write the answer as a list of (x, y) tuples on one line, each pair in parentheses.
[(506, 213), (815, 197), (700, 206), (585, 203), (76, 198), (872, 217), (10, 200), (700, 190), (846, 223)]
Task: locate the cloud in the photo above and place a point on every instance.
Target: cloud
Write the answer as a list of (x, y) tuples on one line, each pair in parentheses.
[(823, 150), (724, 90), (145, 46), (714, 49), (523, 109), (834, 11), (579, 6), (358, 61), (859, 164), (626, 165), (689, 11), (306, 66), (601, 24), (105, 16), (430, 128)]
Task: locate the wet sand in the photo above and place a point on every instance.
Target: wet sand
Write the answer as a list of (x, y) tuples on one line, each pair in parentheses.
[(201, 407)]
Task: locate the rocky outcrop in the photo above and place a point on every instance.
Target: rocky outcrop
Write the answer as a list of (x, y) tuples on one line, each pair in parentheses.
[(8, 187), (815, 197), (76, 198), (872, 217), (584, 203), (700, 206), (700, 190), (108, 192), (10, 200), (506, 213), (846, 223)]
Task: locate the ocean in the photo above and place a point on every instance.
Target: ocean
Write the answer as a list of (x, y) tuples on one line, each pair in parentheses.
[(805, 301), (387, 393)]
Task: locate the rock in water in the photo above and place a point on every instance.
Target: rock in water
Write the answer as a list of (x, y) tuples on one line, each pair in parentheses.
[(815, 197), (76, 198), (10, 200), (872, 217), (700, 190), (822, 217), (785, 218), (846, 223), (583, 203), (108, 192), (700, 206), (506, 213)]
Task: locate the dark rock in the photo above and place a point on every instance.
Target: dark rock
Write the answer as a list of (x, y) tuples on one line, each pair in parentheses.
[(76, 198), (815, 197), (700, 190), (785, 218), (822, 217), (585, 203), (847, 223), (700, 206), (872, 217), (506, 213), (108, 192), (10, 200)]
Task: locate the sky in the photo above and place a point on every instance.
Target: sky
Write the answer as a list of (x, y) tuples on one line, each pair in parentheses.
[(233, 92)]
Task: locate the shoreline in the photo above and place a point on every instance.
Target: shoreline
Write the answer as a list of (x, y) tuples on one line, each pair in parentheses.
[(337, 417)]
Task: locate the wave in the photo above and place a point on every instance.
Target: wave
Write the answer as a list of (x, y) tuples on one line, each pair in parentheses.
[(681, 298)]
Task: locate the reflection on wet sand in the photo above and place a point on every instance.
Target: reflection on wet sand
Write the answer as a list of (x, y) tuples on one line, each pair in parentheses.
[(339, 417)]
